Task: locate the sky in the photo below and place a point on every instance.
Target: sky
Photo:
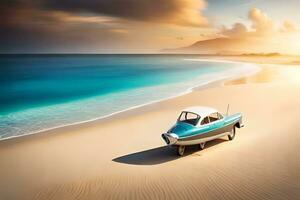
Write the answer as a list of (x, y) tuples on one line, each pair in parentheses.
[(148, 26)]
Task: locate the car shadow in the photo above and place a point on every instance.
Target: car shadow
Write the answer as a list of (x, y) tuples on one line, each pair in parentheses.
[(161, 154)]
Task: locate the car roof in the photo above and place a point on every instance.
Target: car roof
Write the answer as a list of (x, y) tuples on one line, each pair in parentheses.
[(203, 111)]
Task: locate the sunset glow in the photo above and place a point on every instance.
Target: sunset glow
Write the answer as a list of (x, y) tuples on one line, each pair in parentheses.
[(130, 26)]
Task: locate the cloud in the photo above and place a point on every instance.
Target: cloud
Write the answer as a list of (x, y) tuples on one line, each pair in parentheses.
[(261, 26), (28, 29), (261, 22), (261, 36), (264, 36), (46, 14), (237, 30), (32, 25), (179, 12)]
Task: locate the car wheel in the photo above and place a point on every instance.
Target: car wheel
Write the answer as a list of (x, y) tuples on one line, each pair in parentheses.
[(201, 145), (180, 150), (232, 134)]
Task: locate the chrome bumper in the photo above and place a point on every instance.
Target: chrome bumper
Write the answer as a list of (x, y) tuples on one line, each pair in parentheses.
[(170, 138)]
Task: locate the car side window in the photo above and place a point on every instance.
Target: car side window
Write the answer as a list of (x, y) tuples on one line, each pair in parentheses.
[(205, 121), (190, 118), (214, 117)]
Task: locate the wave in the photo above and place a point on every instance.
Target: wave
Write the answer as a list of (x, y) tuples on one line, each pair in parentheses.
[(83, 111)]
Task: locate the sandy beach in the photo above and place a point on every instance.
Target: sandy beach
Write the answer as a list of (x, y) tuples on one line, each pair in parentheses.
[(124, 157)]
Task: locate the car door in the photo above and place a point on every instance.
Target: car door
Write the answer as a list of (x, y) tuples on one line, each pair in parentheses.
[(216, 122)]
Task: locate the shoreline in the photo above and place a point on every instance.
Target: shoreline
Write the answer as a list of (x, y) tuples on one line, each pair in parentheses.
[(125, 153), (207, 84)]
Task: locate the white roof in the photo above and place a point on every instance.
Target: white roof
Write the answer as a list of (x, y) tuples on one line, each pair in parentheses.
[(200, 110)]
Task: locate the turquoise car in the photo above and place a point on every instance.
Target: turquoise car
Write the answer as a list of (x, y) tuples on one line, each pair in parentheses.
[(197, 125)]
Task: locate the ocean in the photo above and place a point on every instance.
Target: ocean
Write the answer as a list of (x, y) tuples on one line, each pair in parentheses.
[(41, 92)]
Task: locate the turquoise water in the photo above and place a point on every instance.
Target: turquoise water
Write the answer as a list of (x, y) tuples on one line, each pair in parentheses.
[(40, 92)]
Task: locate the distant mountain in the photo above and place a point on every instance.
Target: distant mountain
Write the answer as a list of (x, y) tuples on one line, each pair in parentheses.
[(274, 54), (214, 46)]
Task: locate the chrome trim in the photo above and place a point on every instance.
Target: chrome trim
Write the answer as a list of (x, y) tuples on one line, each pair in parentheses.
[(170, 138), (198, 141)]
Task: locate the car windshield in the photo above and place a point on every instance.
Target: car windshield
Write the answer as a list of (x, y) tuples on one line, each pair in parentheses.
[(189, 117)]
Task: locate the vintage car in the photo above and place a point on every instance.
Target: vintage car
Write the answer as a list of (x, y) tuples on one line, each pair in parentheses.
[(197, 125)]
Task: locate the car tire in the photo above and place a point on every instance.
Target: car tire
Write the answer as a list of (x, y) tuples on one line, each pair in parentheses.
[(232, 134), (180, 150), (201, 145)]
